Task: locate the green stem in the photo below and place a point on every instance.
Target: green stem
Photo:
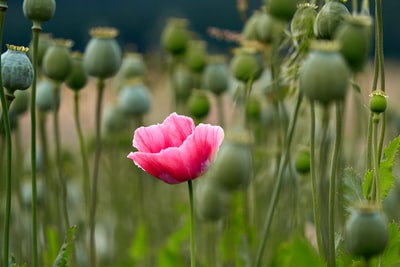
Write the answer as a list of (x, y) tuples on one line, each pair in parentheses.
[(92, 212), (379, 41), (220, 110), (314, 179), (6, 124), (278, 184), (376, 197), (369, 143), (36, 29), (354, 6), (85, 164), (59, 163), (332, 183), (192, 234)]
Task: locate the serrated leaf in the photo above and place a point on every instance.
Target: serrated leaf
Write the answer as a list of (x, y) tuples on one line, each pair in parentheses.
[(66, 248), (386, 166), (367, 184), (352, 188)]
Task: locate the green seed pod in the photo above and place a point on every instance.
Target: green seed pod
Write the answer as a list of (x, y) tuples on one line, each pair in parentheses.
[(114, 119), (302, 24), (134, 99), (249, 31), (324, 75), (182, 82), (331, 15), (198, 104), (16, 69), (246, 64), (102, 57), (302, 161), (216, 75), (196, 56), (212, 202), (78, 77), (45, 40), (45, 96), (13, 120), (354, 36), (21, 102), (366, 232), (282, 9), (57, 61), (39, 10), (269, 28), (175, 36), (233, 165), (378, 102)]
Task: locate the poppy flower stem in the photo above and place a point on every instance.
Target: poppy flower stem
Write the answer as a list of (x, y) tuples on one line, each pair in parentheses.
[(192, 238), (6, 125)]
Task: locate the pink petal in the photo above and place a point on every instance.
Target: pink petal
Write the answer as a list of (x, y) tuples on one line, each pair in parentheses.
[(190, 160), (171, 133)]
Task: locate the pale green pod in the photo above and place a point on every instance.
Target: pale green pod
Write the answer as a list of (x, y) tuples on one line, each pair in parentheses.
[(78, 77), (182, 82), (216, 75), (57, 61), (175, 36), (103, 56), (45, 40), (21, 102), (39, 10), (45, 96), (246, 64), (196, 56), (16, 69), (134, 99)]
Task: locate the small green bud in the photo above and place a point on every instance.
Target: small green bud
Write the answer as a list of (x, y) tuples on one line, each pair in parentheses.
[(378, 103)]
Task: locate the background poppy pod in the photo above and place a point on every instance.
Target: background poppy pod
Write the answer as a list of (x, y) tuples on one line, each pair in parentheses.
[(216, 75), (330, 16), (324, 75)]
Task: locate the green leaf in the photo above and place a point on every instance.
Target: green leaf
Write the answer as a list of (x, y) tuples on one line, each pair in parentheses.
[(298, 253), (386, 166), (14, 263), (352, 188), (391, 256), (367, 184), (66, 248), (53, 245), (139, 247)]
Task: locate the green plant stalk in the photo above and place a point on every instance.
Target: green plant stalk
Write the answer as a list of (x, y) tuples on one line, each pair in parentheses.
[(220, 110), (7, 130), (85, 164), (278, 183), (96, 167), (332, 183), (59, 163), (369, 143), (192, 229), (314, 179), (36, 29), (377, 181), (354, 6)]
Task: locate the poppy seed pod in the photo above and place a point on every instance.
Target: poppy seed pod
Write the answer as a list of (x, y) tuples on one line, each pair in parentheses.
[(212, 202), (182, 82), (57, 61), (16, 69), (196, 56), (77, 77), (45, 96), (21, 102), (247, 64), (302, 24), (39, 10), (378, 101), (175, 36), (198, 104), (249, 31), (232, 168), (216, 75), (269, 28), (134, 99), (324, 75), (366, 232), (114, 119), (282, 9), (103, 56), (328, 19), (354, 36)]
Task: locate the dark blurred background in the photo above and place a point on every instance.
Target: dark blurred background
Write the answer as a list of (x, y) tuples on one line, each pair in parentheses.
[(140, 22)]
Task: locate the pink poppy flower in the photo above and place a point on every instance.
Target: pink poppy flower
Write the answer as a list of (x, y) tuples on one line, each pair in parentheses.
[(176, 151)]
